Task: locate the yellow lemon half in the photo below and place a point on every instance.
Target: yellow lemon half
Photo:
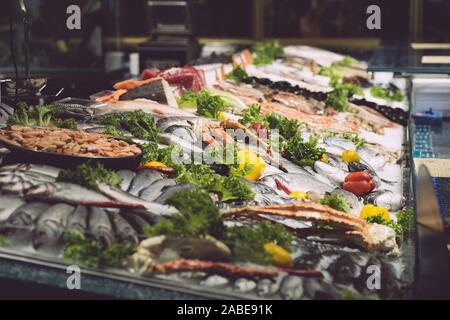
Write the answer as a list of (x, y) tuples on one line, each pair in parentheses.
[(299, 194), (350, 156), (280, 257), (154, 164), (246, 157)]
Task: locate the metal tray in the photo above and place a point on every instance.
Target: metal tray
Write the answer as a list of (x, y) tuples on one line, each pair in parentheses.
[(21, 154)]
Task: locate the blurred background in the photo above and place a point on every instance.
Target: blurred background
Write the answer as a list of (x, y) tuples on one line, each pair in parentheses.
[(86, 60)]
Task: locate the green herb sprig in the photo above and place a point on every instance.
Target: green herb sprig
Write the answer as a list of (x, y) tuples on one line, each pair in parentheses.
[(140, 124), (287, 128), (248, 243), (266, 52), (238, 74), (82, 249), (303, 153), (337, 202), (41, 116), (198, 216), (353, 137), (252, 115), (87, 175), (386, 94)]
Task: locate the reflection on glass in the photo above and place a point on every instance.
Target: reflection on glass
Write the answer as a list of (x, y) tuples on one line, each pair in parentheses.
[(333, 18)]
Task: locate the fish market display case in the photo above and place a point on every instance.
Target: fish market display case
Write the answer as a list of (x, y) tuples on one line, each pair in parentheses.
[(324, 262)]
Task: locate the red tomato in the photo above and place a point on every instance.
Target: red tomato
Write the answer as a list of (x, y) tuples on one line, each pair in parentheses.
[(358, 176), (359, 188)]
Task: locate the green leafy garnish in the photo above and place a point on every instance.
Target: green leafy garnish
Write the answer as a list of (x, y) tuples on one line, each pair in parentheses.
[(113, 132), (337, 202), (332, 73), (198, 216), (113, 120), (86, 250), (266, 52), (238, 74), (303, 153), (247, 243), (115, 256), (350, 88), (405, 218), (376, 219), (208, 104), (353, 137), (232, 188), (188, 100), (87, 175), (338, 100), (68, 123), (163, 227), (227, 188), (287, 128), (252, 115), (151, 152), (386, 94), (140, 124), (41, 116), (347, 61)]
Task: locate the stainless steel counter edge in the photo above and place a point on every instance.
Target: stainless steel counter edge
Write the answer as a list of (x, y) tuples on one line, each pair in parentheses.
[(38, 271)]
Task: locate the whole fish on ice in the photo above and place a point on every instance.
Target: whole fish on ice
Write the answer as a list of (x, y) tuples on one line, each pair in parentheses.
[(51, 224)]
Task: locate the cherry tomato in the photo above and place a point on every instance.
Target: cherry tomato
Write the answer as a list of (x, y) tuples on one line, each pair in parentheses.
[(358, 176), (358, 188)]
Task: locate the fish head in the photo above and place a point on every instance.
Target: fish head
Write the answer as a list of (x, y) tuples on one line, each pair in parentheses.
[(45, 234), (40, 190)]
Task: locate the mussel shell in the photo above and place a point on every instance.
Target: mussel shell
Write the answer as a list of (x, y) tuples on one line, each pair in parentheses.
[(345, 269), (307, 261), (221, 169)]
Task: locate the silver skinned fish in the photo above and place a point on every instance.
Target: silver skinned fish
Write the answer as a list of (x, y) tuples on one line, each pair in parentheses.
[(78, 220), (143, 179), (8, 204), (127, 176), (100, 226), (74, 194), (123, 197), (124, 231), (154, 190), (26, 215), (51, 224)]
